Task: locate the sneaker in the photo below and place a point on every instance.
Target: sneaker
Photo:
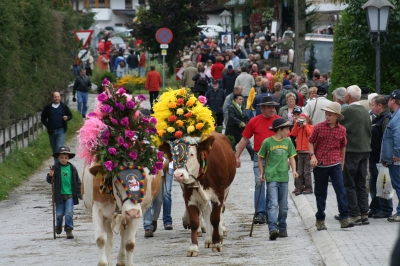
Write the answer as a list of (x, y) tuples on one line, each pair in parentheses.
[(58, 230), (307, 191), (148, 233), (68, 230), (168, 227), (273, 235), (394, 218), (259, 219), (320, 225), (294, 191), (283, 233), (356, 220), (380, 215), (345, 223), (364, 219), (83, 116), (370, 214), (298, 192)]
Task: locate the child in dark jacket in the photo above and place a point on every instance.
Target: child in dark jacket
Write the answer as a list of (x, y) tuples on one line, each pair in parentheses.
[(67, 189)]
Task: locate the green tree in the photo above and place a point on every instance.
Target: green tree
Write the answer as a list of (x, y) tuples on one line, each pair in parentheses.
[(354, 56), (181, 17)]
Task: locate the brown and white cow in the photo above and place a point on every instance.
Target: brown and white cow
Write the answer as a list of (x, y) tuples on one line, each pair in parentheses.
[(106, 221), (189, 164)]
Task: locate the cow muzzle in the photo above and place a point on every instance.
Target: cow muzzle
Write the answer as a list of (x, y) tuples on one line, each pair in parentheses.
[(180, 175), (132, 214)]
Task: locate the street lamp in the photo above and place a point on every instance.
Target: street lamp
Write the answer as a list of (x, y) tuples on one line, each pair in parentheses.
[(378, 16), (226, 19)]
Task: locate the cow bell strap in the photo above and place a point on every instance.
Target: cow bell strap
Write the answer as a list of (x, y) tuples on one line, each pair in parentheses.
[(203, 165)]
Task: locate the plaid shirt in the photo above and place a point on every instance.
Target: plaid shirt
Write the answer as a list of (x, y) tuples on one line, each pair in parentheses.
[(327, 143)]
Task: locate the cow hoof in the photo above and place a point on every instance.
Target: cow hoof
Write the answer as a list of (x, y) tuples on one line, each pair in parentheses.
[(120, 263), (199, 234), (192, 253), (203, 229), (208, 242), (217, 247), (225, 233)]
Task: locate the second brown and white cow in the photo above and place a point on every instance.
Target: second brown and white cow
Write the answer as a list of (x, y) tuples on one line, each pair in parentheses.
[(211, 162), (106, 220)]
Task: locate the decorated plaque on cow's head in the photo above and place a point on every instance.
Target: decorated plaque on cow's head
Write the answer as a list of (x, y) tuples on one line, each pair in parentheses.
[(132, 179)]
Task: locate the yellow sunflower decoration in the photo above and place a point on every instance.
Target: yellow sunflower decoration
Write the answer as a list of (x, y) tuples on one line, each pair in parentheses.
[(180, 114)]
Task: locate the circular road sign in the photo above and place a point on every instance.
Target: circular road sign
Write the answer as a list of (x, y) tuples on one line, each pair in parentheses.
[(164, 36)]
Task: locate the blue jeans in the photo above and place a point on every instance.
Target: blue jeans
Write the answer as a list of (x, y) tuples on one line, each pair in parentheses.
[(263, 203), (57, 140), (278, 205), (167, 199), (65, 208), (132, 70), (321, 177), (394, 171), (76, 70), (120, 74), (377, 205), (82, 99), (152, 213), (142, 71)]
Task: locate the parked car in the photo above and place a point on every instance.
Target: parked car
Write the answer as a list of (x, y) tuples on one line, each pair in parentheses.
[(211, 30), (119, 41), (119, 30)]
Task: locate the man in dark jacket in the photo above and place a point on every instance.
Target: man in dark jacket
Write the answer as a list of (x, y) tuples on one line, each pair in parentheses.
[(82, 85), (132, 60), (54, 117), (228, 80), (201, 82), (215, 100)]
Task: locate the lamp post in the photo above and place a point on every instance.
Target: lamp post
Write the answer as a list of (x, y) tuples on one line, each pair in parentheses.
[(226, 19), (378, 16)]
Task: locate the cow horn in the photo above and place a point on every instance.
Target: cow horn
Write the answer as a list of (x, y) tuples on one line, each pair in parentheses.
[(197, 140)]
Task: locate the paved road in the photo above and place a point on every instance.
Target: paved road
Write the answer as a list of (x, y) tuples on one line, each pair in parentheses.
[(27, 238)]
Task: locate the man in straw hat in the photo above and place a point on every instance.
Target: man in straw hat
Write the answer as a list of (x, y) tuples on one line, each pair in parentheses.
[(257, 127), (276, 151), (67, 189), (327, 146)]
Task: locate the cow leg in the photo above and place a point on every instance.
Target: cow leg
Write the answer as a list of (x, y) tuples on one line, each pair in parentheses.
[(223, 228), (206, 215), (129, 240), (215, 221), (121, 253), (100, 234), (110, 241), (193, 213)]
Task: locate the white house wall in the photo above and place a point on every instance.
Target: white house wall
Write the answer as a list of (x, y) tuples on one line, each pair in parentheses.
[(213, 19)]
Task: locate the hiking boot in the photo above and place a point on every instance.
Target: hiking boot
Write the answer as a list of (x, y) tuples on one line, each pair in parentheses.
[(298, 192), (273, 235), (168, 227), (345, 223), (259, 219), (148, 233), (154, 226), (68, 230), (356, 220), (58, 230), (283, 233), (394, 218), (364, 219), (320, 225)]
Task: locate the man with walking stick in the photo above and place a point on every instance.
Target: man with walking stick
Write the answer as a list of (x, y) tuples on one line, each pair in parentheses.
[(258, 127)]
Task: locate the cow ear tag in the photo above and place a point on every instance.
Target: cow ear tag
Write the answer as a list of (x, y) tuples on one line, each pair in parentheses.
[(99, 175)]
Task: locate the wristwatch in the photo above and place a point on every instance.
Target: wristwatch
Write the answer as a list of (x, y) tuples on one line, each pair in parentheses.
[(311, 154)]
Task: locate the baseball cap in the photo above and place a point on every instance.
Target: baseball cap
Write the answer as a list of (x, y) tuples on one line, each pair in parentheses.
[(393, 95), (230, 67), (297, 110)]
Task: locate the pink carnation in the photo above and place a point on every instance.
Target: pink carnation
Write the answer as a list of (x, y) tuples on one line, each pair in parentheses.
[(125, 121), (112, 151), (133, 155), (102, 97), (130, 104), (159, 156), (106, 109), (159, 165), (130, 134), (105, 82), (121, 91), (120, 106), (114, 121), (154, 170), (153, 120), (120, 141), (108, 165)]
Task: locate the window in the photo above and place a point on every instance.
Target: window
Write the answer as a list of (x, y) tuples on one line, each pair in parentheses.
[(128, 4), (142, 2), (97, 3)]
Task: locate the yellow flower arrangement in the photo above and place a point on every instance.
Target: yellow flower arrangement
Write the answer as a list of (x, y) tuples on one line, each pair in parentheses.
[(187, 114), (131, 83)]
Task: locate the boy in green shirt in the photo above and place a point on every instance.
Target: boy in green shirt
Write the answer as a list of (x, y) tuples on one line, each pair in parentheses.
[(67, 189), (276, 150)]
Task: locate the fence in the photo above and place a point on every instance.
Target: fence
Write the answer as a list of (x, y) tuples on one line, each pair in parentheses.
[(23, 132)]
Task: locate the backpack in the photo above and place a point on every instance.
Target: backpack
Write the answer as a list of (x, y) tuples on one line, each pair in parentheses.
[(202, 79), (285, 91), (121, 63)]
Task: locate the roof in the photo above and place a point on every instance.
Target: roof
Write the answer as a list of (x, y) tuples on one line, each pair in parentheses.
[(235, 2), (327, 8)]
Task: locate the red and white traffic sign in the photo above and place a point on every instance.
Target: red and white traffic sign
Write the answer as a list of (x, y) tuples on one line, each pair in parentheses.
[(84, 35), (164, 36)]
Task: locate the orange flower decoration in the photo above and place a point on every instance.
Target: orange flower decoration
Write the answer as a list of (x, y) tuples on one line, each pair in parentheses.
[(190, 102), (199, 126), (179, 123), (182, 91), (172, 118), (161, 132), (178, 134), (180, 101), (172, 105)]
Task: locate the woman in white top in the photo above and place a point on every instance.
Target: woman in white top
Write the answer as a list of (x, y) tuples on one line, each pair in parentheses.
[(228, 61), (207, 68)]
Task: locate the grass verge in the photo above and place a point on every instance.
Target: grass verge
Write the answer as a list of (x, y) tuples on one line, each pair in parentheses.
[(23, 162)]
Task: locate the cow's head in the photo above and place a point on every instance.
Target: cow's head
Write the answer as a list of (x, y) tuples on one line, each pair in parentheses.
[(129, 209), (186, 155)]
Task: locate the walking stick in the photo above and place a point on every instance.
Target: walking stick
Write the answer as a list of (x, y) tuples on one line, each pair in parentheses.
[(52, 204)]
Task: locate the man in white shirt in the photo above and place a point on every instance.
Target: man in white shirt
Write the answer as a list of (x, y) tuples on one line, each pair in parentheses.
[(314, 106)]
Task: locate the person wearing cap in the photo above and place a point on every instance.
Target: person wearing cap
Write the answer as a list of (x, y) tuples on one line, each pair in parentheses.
[(54, 117), (358, 128), (257, 127), (327, 147), (67, 189), (276, 150), (315, 105), (215, 100), (301, 131), (390, 152), (378, 207), (228, 80)]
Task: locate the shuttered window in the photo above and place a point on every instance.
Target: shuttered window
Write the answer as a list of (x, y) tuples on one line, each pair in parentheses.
[(97, 3)]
